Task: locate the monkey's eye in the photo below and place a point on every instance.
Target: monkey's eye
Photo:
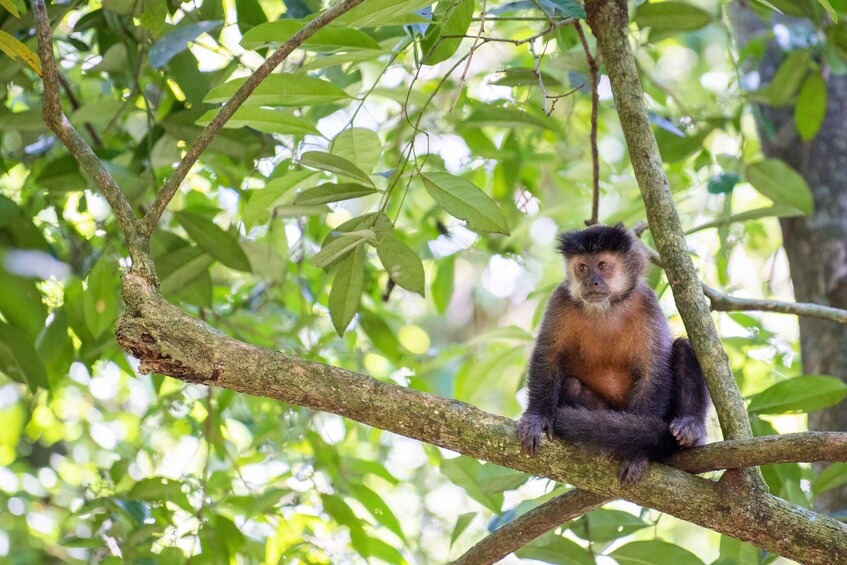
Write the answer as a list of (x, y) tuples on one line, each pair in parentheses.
[(582, 267), (601, 265)]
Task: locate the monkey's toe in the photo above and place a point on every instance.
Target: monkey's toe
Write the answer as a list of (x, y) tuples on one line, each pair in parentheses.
[(530, 430), (632, 470), (688, 431)]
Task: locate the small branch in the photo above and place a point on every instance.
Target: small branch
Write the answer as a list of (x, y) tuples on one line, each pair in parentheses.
[(808, 447), (56, 120), (537, 72), (200, 144), (522, 530), (726, 303), (66, 86), (477, 41), (593, 69)]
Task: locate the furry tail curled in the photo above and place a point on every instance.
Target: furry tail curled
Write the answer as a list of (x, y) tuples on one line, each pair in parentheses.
[(622, 435)]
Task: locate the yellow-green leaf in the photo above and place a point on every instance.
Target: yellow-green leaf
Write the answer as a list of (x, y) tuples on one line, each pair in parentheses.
[(19, 52), (811, 106), (347, 289)]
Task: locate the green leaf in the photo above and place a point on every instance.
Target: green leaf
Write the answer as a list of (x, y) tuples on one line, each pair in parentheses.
[(671, 16), (281, 89), (175, 42), (385, 12), (782, 184), (828, 7), (833, 476), (334, 164), (776, 211), (100, 301), (567, 8), (462, 199), (328, 39), (377, 508), (453, 21), (55, 348), (811, 106), (604, 525), (347, 289), (262, 202), (265, 121), (462, 523), (401, 263), (154, 16), (332, 192), (654, 552), (340, 59), (19, 52), (9, 5), (180, 267), (723, 182), (360, 146), (556, 549), (808, 393), (218, 243), (443, 284), (788, 78), (338, 247), (18, 359), (464, 472), (508, 118), (494, 478), (21, 304)]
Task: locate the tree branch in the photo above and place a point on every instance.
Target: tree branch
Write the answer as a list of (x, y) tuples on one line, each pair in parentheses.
[(726, 303), (169, 341), (200, 144), (56, 120), (807, 447), (609, 23), (523, 529)]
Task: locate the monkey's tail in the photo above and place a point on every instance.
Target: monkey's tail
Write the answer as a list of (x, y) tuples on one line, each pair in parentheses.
[(620, 434)]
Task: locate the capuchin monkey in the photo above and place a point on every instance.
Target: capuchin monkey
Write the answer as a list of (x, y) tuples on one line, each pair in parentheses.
[(605, 371)]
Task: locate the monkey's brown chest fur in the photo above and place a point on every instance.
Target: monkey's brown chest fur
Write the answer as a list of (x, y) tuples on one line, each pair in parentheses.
[(606, 353)]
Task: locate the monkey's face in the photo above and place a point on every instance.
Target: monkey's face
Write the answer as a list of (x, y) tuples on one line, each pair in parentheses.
[(598, 279)]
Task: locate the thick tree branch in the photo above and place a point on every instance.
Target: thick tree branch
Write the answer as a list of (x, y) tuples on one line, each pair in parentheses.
[(200, 144), (609, 23), (534, 523), (733, 454), (170, 342), (56, 120)]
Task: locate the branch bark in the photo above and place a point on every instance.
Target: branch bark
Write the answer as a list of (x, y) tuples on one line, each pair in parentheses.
[(200, 144), (609, 23)]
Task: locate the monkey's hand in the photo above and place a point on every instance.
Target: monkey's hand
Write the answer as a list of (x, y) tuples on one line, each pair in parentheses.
[(688, 431), (530, 429)]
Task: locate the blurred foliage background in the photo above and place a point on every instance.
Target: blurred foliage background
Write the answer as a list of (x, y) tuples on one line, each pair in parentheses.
[(388, 188)]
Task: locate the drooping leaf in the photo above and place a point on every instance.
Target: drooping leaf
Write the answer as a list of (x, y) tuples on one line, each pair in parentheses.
[(19, 52), (443, 284), (360, 146), (337, 248), (401, 263), (828, 7), (464, 472), (671, 16), (347, 289), (328, 39), (218, 243), (332, 192), (21, 304), (782, 184), (810, 109), (655, 552), (462, 199), (788, 78), (281, 89), (19, 360), (808, 393), (462, 523), (334, 164), (100, 301), (180, 267), (377, 508), (264, 120), (443, 36), (176, 41)]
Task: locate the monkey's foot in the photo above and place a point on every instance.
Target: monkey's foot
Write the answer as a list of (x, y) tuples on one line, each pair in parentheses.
[(632, 470), (688, 431), (530, 429)]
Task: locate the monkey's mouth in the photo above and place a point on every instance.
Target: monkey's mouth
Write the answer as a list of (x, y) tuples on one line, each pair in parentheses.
[(596, 296)]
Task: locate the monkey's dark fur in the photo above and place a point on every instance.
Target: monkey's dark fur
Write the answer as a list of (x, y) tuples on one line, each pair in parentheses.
[(605, 371)]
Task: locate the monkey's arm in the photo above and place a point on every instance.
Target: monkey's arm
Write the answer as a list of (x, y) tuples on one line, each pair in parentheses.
[(690, 400), (545, 378)]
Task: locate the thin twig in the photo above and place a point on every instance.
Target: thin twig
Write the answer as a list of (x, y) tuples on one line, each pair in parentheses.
[(66, 86), (593, 68), (55, 118), (537, 72), (476, 43), (200, 144)]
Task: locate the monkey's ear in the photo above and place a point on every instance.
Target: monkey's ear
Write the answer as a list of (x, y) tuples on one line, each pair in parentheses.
[(619, 226)]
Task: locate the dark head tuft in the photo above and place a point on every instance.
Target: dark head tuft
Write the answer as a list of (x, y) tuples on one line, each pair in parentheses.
[(595, 239)]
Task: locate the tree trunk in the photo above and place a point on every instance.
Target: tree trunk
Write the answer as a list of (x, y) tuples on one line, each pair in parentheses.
[(816, 246)]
